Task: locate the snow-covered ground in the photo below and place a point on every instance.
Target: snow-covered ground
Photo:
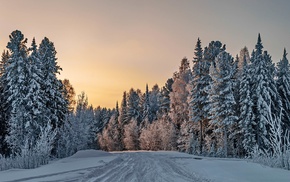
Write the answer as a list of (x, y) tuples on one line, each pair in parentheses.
[(98, 166)]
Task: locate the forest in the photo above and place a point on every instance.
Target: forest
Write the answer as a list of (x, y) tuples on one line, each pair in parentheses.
[(222, 106)]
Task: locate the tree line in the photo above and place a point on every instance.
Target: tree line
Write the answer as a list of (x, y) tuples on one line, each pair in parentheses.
[(221, 106), (38, 118)]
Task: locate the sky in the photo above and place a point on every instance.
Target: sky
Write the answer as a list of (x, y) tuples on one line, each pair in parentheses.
[(107, 47)]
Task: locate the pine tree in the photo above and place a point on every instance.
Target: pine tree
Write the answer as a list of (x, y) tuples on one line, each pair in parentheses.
[(147, 111), (283, 87), (36, 118), (123, 110), (4, 150), (154, 98), (199, 95), (246, 120), (264, 92), (222, 99), (54, 100), (133, 112), (165, 97), (15, 76)]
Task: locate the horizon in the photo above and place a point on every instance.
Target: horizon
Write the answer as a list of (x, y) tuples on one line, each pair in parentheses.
[(106, 48)]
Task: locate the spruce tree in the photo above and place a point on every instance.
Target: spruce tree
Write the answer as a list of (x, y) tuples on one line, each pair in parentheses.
[(15, 76), (147, 111), (246, 120), (264, 94), (222, 99), (283, 87), (133, 112), (35, 96), (154, 100), (165, 97), (52, 87), (123, 110), (199, 95), (4, 112)]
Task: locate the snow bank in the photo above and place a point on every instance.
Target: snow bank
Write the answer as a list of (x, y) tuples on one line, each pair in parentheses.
[(60, 170), (229, 170)]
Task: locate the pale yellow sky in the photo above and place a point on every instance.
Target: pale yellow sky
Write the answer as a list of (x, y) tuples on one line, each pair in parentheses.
[(107, 47)]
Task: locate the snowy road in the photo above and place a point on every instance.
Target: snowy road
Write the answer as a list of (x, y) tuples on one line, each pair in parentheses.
[(142, 166)]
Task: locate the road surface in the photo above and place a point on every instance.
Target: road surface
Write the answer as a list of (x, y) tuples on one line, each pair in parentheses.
[(142, 167)]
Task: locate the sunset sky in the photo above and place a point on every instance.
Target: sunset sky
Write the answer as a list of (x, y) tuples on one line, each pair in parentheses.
[(106, 47)]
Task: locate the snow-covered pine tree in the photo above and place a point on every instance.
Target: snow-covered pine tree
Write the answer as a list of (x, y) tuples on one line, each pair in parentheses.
[(212, 50), (15, 76), (147, 111), (118, 138), (199, 98), (4, 150), (235, 132), (56, 105), (165, 97), (264, 92), (222, 99), (283, 87), (133, 110), (154, 98), (123, 110), (36, 119), (246, 120)]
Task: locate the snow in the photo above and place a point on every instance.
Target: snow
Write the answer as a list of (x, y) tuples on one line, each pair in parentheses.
[(64, 169), (231, 170), (92, 165)]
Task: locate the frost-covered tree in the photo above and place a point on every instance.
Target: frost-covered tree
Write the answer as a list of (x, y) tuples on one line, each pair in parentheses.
[(283, 87), (244, 56), (159, 135), (147, 111), (212, 50), (246, 120), (56, 105), (4, 109), (111, 139), (264, 92), (69, 94), (131, 135), (15, 76), (165, 97), (222, 99), (123, 109), (36, 118), (133, 110), (179, 111), (199, 96), (154, 100), (179, 107)]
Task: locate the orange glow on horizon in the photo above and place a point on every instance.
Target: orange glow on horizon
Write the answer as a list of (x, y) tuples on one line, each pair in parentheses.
[(107, 47)]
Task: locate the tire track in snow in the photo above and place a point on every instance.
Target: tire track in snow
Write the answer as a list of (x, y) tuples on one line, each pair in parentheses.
[(142, 166)]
